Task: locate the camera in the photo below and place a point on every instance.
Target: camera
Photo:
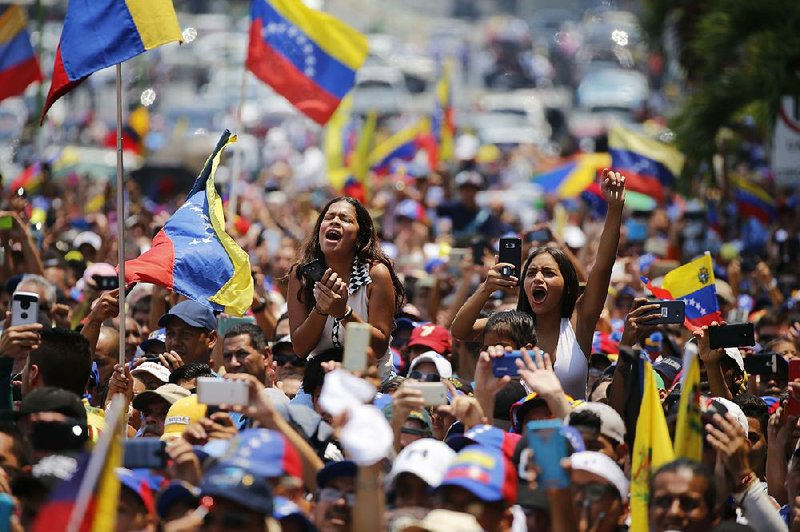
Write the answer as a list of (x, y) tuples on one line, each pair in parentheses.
[(25, 304)]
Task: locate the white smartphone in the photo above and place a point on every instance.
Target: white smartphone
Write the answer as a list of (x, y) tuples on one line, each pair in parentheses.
[(433, 393), (24, 308), (215, 391), (356, 342)]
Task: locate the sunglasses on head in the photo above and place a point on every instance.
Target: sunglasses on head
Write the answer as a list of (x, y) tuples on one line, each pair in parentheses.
[(424, 377)]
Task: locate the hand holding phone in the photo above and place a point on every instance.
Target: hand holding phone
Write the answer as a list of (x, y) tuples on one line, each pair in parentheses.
[(24, 308), (215, 391), (734, 335), (766, 364), (314, 270), (668, 312), (506, 365), (510, 253)]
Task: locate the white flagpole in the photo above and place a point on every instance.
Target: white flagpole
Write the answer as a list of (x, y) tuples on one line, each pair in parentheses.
[(237, 156), (120, 220)]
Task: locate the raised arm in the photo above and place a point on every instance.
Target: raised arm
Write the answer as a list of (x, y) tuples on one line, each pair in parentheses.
[(466, 325), (591, 304)]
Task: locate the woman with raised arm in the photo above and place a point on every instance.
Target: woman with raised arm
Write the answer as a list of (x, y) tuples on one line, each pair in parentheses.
[(358, 285), (564, 322)]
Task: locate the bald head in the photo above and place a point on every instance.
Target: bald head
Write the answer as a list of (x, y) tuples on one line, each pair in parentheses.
[(106, 353)]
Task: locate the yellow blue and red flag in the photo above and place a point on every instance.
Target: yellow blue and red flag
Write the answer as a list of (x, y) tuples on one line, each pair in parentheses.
[(402, 146), (309, 57), (193, 255), (648, 164), (752, 200), (442, 120), (571, 178), (19, 66), (101, 33), (692, 283)]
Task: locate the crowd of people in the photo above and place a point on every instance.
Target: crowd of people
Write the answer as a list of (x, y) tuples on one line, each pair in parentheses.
[(318, 446)]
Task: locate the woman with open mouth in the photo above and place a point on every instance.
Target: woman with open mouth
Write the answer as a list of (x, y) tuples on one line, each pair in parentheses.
[(356, 283), (565, 323)]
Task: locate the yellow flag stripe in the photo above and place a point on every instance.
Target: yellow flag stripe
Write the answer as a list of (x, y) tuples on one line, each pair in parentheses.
[(155, 21), (669, 156)]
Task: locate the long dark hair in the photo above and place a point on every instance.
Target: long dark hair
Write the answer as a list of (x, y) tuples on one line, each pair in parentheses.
[(568, 272), (368, 249)]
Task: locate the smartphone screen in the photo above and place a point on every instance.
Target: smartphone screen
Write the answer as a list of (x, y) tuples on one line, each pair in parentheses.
[(549, 448), (511, 252)]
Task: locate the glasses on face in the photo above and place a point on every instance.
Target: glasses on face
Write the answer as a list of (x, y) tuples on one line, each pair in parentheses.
[(291, 360), (686, 503), (595, 491), (331, 495), (424, 377)]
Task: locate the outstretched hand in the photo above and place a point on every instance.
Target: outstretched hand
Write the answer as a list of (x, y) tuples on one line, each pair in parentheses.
[(613, 187)]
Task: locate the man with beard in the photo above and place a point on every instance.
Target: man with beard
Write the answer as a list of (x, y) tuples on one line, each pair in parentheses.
[(335, 496), (154, 406), (191, 332)]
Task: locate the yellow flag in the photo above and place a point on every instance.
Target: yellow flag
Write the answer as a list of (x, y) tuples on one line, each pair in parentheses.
[(365, 141), (651, 449), (689, 429), (333, 143)]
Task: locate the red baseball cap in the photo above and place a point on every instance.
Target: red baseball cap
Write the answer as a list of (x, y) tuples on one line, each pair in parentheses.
[(432, 336)]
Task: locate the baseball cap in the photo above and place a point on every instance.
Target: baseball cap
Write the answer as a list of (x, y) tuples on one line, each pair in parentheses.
[(405, 323), (181, 414), (192, 313), (167, 392), (156, 370), (669, 368), (484, 472), (159, 335), (736, 355), (436, 337), (611, 424), (332, 470), (487, 436), (142, 483), (88, 237), (523, 406), (286, 339), (240, 486), (175, 491), (103, 269), (469, 178), (426, 458), (447, 520), (734, 409), (266, 453), (52, 399), (443, 366), (602, 466), (420, 415)]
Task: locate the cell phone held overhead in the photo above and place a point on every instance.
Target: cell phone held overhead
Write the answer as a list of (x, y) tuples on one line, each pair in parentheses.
[(24, 308)]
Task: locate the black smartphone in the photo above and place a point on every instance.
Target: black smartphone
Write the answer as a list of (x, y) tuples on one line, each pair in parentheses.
[(145, 453), (67, 435), (314, 270), (511, 252), (767, 364), (669, 311), (105, 283), (734, 335)]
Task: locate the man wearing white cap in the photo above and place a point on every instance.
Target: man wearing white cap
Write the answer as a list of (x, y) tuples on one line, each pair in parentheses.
[(601, 492), (430, 366), (416, 470)]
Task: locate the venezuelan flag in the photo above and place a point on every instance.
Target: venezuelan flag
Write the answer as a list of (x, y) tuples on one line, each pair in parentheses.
[(403, 146), (18, 64), (193, 255), (689, 428), (30, 179), (752, 200), (442, 122), (648, 164), (308, 57), (570, 179), (101, 33), (692, 283), (360, 162), (336, 142), (652, 448)]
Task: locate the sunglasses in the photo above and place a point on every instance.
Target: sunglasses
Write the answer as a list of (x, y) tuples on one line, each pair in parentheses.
[(292, 360), (331, 495), (424, 377)]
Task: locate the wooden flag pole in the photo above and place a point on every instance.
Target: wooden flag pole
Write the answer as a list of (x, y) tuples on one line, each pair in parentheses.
[(120, 220), (237, 156)]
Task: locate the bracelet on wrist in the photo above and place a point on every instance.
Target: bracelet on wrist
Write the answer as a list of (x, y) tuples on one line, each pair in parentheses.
[(262, 304), (347, 314), (318, 311)]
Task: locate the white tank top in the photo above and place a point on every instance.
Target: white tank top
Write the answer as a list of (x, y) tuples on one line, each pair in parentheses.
[(571, 365), (333, 333)]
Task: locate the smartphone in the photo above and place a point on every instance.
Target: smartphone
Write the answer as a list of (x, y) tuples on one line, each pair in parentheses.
[(67, 435), (24, 308), (6, 223), (314, 270), (734, 335), (542, 236), (106, 283), (457, 256), (668, 311), (226, 323), (144, 453), (793, 406), (356, 342), (215, 391), (549, 447), (766, 364), (511, 252), (506, 364), (6, 511), (433, 393)]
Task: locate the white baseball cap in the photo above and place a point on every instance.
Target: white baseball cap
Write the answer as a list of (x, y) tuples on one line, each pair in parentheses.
[(603, 466), (156, 370), (611, 424), (736, 355), (733, 409), (426, 458), (443, 366)]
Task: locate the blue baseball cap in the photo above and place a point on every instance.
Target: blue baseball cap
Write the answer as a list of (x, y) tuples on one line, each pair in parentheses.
[(159, 335), (334, 470), (238, 485), (266, 453), (176, 491), (191, 313), (484, 472), (143, 483), (486, 436)]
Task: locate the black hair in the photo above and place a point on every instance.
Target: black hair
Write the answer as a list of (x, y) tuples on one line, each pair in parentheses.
[(257, 339), (64, 359), (142, 305), (697, 470), (20, 446), (314, 376), (514, 325), (571, 285), (190, 371), (754, 407), (368, 249), (507, 396)]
